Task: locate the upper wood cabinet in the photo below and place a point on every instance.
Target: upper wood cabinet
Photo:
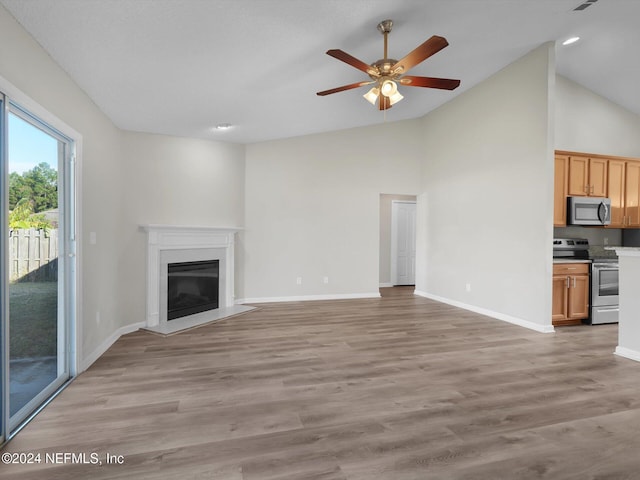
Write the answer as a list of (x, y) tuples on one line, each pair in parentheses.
[(560, 187), (624, 192), (617, 182), (587, 176), (632, 195)]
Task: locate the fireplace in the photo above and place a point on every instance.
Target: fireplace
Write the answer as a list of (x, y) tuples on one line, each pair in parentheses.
[(192, 287), (190, 277)]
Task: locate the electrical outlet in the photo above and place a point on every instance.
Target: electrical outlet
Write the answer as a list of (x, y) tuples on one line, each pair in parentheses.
[(325, 279), (606, 240), (299, 281), (468, 287)]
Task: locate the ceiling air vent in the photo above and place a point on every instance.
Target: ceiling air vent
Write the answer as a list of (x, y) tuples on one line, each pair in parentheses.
[(586, 4)]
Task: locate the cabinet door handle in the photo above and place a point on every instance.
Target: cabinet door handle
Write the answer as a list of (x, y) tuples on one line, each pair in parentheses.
[(574, 282), (568, 280), (586, 189), (592, 189)]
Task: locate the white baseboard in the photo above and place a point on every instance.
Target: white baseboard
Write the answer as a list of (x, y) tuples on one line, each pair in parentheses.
[(305, 298), (385, 285), (104, 346), (627, 353), (489, 313)]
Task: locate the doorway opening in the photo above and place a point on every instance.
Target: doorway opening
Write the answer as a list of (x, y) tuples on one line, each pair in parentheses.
[(397, 241)]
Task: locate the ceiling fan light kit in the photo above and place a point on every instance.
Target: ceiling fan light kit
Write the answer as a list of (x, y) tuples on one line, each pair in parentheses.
[(372, 95), (388, 88), (386, 73)]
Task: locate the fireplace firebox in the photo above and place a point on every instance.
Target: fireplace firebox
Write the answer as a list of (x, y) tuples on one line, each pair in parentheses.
[(193, 287)]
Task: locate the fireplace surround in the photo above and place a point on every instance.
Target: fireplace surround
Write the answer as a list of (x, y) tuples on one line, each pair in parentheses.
[(170, 244)]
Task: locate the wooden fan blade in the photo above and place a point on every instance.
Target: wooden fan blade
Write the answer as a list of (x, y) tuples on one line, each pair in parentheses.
[(353, 61), (429, 82), (343, 88), (383, 102), (421, 53)]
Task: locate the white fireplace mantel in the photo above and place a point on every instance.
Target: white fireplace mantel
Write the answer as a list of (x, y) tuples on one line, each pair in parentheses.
[(169, 240)]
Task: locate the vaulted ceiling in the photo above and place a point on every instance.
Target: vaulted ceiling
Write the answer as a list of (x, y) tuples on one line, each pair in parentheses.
[(181, 67)]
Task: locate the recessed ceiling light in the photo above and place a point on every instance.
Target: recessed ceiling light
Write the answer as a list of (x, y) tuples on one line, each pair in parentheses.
[(571, 40), (223, 126)]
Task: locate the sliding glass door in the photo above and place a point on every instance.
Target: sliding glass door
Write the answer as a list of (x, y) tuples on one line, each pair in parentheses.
[(4, 275), (38, 262)]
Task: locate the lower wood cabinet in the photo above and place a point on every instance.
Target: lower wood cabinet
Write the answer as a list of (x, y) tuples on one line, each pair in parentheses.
[(570, 293)]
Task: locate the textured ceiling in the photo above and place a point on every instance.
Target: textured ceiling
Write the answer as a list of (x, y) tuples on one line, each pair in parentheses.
[(180, 67)]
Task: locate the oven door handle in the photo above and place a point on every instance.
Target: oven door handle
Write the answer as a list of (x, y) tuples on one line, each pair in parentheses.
[(607, 309)]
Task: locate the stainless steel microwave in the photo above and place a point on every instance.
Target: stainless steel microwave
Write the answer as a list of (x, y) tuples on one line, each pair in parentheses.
[(588, 211)]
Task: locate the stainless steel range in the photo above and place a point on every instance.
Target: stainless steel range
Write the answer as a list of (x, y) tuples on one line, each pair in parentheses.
[(571, 248), (603, 292)]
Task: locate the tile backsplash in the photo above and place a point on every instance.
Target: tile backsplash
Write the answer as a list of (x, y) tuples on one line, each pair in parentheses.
[(597, 236)]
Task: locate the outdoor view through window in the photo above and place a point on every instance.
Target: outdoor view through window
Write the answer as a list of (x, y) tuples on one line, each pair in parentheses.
[(33, 261)]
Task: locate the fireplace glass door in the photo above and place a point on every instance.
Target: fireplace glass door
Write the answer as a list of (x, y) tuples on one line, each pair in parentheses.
[(192, 288)]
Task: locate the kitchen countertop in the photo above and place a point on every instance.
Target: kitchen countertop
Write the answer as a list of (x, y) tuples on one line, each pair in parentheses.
[(627, 251), (571, 260)]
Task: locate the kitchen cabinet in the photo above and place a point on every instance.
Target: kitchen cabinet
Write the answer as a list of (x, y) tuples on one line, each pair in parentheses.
[(616, 189), (624, 192), (632, 195), (560, 188), (570, 303), (587, 176)]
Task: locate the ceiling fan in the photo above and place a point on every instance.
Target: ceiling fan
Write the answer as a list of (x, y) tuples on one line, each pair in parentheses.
[(386, 73)]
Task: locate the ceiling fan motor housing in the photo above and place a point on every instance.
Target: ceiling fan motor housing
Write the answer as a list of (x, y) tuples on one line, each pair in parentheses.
[(383, 66)]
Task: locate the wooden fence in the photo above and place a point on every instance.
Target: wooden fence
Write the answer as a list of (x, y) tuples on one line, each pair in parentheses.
[(33, 255)]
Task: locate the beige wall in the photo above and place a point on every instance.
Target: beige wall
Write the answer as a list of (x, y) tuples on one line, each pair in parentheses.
[(174, 181), (128, 179), (587, 122), (486, 205), (32, 71), (313, 208)]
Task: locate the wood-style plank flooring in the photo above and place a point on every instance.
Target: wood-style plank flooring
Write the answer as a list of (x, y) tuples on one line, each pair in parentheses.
[(395, 388)]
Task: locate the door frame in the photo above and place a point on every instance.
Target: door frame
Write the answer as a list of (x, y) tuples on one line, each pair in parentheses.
[(73, 277), (394, 237)]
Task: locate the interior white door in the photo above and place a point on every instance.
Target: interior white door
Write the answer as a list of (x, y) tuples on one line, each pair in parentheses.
[(403, 243)]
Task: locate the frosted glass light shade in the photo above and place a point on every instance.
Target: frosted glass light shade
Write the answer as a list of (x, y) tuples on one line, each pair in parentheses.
[(388, 88), (372, 95)]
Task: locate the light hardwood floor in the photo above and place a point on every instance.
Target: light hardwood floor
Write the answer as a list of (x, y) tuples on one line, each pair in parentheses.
[(395, 388)]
